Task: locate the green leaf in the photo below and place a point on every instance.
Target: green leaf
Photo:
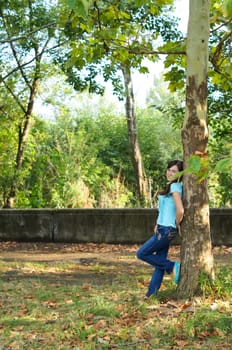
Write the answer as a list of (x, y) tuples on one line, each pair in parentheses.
[(143, 70), (140, 2), (224, 165), (228, 7), (194, 164), (81, 7), (71, 3)]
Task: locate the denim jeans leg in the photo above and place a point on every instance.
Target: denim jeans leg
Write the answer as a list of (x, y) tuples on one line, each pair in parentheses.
[(154, 251), (155, 282), (158, 274), (155, 244)]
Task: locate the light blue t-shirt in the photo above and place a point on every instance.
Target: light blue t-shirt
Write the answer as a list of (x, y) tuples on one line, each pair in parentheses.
[(166, 206)]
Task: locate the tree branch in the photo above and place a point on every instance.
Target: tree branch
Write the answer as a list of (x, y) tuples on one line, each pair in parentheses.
[(106, 47), (14, 51), (224, 23), (14, 96), (32, 60), (157, 52), (217, 54), (12, 39)]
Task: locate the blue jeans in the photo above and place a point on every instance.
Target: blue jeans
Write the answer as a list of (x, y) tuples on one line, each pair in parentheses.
[(159, 244)]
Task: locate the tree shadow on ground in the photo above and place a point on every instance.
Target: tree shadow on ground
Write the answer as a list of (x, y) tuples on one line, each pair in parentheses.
[(77, 264)]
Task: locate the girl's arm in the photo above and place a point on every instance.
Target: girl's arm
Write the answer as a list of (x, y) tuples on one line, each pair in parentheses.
[(179, 209)]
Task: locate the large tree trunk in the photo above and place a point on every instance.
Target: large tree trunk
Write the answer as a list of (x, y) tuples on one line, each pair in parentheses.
[(196, 249), (141, 180)]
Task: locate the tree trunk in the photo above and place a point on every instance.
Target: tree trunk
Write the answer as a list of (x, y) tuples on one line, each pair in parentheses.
[(23, 134), (196, 249), (141, 179), (22, 81)]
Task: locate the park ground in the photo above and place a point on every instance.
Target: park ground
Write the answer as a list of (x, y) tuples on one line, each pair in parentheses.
[(91, 296)]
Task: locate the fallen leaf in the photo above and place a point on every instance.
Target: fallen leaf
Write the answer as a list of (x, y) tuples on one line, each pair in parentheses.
[(102, 340), (14, 346), (182, 343), (100, 324), (86, 286), (172, 304), (69, 301), (186, 305), (51, 304)]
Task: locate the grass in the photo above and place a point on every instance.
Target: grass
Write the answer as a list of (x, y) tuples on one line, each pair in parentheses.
[(57, 305)]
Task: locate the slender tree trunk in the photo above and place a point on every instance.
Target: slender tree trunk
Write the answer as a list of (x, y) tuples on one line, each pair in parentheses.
[(141, 179), (28, 76), (23, 134), (196, 249)]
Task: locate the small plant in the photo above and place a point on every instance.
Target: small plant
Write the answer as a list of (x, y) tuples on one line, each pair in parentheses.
[(221, 287), (207, 322)]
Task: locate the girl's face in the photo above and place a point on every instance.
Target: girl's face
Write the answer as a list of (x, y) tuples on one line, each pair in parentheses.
[(171, 172)]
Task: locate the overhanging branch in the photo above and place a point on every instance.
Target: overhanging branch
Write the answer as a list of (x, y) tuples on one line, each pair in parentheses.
[(12, 39), (157, 52), (32, 60)]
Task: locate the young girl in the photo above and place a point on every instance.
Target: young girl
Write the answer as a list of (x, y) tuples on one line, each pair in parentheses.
[(171, 211)]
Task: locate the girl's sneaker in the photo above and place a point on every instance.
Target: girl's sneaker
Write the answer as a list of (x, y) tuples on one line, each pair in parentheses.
[(176, 271)]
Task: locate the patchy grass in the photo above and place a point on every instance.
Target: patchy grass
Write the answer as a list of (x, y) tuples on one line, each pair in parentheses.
[(90, 303)]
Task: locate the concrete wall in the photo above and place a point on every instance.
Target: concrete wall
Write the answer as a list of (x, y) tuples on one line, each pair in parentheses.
[(96, 225)]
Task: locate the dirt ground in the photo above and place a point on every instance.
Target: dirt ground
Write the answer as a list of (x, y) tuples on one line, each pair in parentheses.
[(96, 264), (122, 256), (90, 265)]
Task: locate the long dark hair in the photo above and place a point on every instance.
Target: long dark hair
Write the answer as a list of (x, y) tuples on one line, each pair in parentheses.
[(180, 167)]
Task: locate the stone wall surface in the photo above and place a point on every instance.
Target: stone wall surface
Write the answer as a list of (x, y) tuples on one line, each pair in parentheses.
[(124, 226)]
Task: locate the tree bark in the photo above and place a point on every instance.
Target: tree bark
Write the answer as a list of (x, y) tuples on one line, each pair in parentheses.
[(139, 171), (23, 134), (196, 248), (24, 128), (30, 77)]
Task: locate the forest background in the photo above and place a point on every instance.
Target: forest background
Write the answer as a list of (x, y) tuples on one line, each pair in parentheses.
[(61, 145)]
